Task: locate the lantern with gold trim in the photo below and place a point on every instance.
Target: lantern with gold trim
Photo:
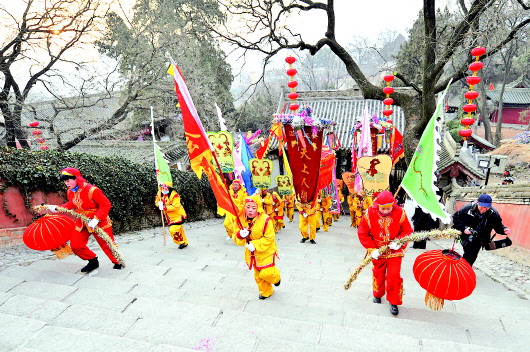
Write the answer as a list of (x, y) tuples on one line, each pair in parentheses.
[(50, 232), (470, 95)]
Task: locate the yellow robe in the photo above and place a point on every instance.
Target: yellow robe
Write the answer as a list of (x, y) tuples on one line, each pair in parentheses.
[(278, 213), (289, 201), (175, 215), (309, 221), (326, 214), (230, 222)]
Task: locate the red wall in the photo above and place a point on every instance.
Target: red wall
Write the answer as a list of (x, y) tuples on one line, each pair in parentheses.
[(510, 115), (514, 216)]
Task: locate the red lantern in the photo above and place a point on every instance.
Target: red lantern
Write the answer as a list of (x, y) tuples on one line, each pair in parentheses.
[(388, 78), (36, 132), (444, 274), (291, 72), (50, 232), (465, 133), (387, 112), (290, 60), (478, 51), (293, 107), (292, 84), (388, 101), (34, 124), (388, 90), (292, 95), (467, 121), (476, 66), (44, 147), (471, 94), (472, 80), (469, 107)]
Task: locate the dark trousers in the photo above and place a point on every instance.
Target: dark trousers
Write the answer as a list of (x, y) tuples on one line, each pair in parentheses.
[(471, 250)]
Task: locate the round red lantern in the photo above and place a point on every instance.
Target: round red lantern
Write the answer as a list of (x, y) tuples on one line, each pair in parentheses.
[(292, 95), (388, 78), (50, 232), (34, 124), (469, 107), (293, 107), (388, 90), (444, 274), (387, 112), (478, 51), (388, 101), (472, 80), (465, 133), (476, 66), (471, 94), (290, 60), (291, 72), (467, 121), (292, 84), (44, 147), (36, 132)]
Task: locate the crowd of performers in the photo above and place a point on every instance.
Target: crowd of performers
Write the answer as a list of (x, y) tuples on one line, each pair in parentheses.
[(380, 222)]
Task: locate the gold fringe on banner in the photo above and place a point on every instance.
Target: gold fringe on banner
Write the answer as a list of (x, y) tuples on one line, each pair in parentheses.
[(433, 302), (63, 251)]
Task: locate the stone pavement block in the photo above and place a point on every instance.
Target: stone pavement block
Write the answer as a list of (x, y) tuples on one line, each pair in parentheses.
[(277, 345), (215, 288), (107, 300), (33, 308), (514, 341), (197, 275), (182, 265), (157, 291), (144, 278), (55, 338), (4, 297), (93, 319), (514, 309), (359, 339), (197, 336), (16, 330), (221, 302), (169, 348), (43, 290), (30, 274), (514, 327), (269, 327), (24, 349), (226, 263), (448, 345), (179, 312), (153, 270), (8, 282), (59, 265), (104, 284)]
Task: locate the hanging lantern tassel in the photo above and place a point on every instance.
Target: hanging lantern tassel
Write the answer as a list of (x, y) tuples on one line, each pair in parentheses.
[(63, 251), (433, 302), (470, 108)]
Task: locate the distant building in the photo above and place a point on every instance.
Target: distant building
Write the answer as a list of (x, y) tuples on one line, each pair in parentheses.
[(515, 103)]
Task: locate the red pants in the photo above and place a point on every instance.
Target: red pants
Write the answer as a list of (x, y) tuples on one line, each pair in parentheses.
[(79, 241), (387, 271)]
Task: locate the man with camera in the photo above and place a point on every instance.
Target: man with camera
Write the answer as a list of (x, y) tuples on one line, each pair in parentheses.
[(476, 221)]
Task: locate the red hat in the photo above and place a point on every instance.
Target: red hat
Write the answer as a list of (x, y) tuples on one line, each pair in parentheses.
[(70, 171), (385, 198)]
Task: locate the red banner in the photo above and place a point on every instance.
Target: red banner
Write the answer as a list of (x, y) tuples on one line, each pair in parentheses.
[(327, 163), (304, 152)]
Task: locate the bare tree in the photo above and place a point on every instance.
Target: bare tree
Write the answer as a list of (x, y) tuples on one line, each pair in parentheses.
[(443, 47), (39, 37)]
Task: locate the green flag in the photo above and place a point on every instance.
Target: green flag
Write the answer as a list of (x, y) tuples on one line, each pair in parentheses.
[(163, 175), (419, 179)]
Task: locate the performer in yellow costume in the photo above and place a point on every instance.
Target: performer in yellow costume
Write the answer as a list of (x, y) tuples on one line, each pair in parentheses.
[(336, 216), (267, 202), (238, 194), (289, 200), (318, 210), (277, 214), (261, 251), (308, 217), (326, 204), (168, 200), (353, 202)]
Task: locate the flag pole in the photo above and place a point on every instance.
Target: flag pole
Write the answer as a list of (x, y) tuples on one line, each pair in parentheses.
[(156, 168)]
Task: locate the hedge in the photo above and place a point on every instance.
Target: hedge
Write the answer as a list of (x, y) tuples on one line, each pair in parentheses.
[(130, 187)]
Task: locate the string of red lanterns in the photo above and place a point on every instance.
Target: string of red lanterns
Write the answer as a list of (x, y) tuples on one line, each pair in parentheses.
[(388, 101), (471, 94), (38, 135), (291, 72)]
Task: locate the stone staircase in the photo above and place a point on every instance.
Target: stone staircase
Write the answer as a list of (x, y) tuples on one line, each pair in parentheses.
[(203, 298)]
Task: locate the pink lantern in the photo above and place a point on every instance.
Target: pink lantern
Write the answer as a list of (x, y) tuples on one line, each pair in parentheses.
[(34, 124)]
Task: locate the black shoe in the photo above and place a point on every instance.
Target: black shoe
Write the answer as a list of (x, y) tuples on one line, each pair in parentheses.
[(262, 297), (303, 240), (92, 265), (394, 309), (183, 245), (318, 229), (377, 300), (312, 241), (117, 266), (278, 283)]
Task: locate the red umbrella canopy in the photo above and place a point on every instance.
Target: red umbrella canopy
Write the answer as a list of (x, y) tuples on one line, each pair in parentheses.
[(49, 232), (444, 274)]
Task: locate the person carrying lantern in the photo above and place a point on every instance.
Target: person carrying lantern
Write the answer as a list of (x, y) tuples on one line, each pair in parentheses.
[(261, 251), (289, 200), (307, 221), (90, 201), (277, 214), (168, 201), (380, 225), (238, 194)]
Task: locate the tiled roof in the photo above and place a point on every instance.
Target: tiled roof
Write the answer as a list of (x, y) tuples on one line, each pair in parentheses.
[(451, 154), (520, 96), (482, 141)]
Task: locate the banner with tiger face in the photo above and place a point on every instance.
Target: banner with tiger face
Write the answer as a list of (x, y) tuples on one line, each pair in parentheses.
[(223, 145), (261, 170)]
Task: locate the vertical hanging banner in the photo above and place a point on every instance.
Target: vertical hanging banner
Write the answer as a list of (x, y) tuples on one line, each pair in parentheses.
[(261, 170), (327, 164), (223, 146), (285, 184)]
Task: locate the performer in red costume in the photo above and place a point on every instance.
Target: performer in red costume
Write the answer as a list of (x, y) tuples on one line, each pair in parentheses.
[(90, 201), (382, 223)]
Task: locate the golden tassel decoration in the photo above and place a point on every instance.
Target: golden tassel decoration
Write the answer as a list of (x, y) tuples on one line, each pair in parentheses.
[(416, 236), (63, 251), (99, 232), (433, 302)]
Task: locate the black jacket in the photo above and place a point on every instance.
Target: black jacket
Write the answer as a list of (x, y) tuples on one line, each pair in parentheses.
[(482, 224)]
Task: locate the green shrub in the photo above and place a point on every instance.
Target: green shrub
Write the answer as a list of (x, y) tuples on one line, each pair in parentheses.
[(130, 187)]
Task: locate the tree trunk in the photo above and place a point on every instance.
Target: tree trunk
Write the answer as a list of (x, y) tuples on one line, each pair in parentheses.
[(484, 113)]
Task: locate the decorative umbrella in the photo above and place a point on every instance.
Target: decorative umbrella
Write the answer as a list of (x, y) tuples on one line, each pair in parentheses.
[(444, 274), (50, 232)]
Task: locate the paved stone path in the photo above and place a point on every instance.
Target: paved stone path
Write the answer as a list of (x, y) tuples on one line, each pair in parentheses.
[(203, 298)]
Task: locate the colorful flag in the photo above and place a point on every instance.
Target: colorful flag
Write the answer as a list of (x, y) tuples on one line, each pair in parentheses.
[(365, 142), (246, 155), (163, 173), (222, 121), (420, 176), (491, 87), (199, 148), (397, 151)]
